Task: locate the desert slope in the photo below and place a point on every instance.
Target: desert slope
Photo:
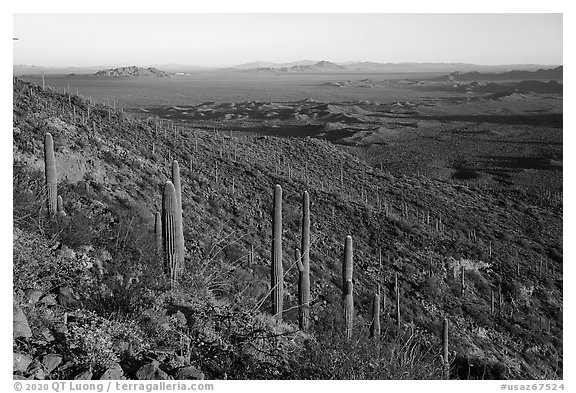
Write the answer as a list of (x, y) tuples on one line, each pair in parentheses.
[(102, 273)]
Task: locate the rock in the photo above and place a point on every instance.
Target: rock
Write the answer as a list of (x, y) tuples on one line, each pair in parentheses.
[(85, 375), (189, 372), (66, 252), (40, 374), (151, 371), (67, 299), (61, 328), (20, 361), (49, 300), (33, 295), (47, 335), (51, 362), (20, 323), (113, 372)]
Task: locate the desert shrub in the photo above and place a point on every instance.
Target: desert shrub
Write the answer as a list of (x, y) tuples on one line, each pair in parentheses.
[(431, 288), (478, 312), (480, 283), (465, 368), (36, 264), (96, 343), (410, 355)]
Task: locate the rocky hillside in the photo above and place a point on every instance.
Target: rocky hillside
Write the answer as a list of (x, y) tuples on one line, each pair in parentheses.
[(91, 301), (132, 72), (553, 74)]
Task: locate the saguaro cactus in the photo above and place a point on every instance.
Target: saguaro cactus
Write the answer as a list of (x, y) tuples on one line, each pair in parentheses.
[(397, 289), (178, 189), (491, 302), (50, 173), (172, 233), (445, 360), (305, 293), (277, 284), (348, 287), (375, 325), (302, 318), (500, 300), (463, 282)]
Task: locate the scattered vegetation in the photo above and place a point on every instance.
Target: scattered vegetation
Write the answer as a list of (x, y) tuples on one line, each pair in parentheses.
[(94, 292)]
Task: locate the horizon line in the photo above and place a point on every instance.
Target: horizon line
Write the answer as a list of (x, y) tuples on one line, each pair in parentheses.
[(348, 62)]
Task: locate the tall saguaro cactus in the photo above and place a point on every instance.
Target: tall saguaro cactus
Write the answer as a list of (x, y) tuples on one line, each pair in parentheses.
[(462, 281), (302, 318), (305, 293), (176, 182), (178, 189), (445, 359), (348, 287), (172, 233), (397, 289), (375, 325), (277, 284), (50, 173)]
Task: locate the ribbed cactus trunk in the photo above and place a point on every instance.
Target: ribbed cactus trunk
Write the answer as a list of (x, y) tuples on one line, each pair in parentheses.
[(176, 182), (462, 281), (50, 173), (178, 189), (491, 302), (500, 300), (301, 284), (277, 284), (172, 233), (305, 292), (375, 325), (445, 359), (348, 287)]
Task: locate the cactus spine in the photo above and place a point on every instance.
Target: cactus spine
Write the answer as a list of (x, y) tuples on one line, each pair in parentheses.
[(375, 325), (348, 287), (172, 233), (305, 292), (445, 359), (50, 173), (277, 284)]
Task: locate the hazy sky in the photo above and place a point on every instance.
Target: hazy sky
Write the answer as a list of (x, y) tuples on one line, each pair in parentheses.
[(230, 39)]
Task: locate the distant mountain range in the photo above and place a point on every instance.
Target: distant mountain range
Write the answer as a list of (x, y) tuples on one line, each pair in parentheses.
[(321, 66), (267, 64), (555, 74), (302, 66), (371, 67), (133, 72)]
